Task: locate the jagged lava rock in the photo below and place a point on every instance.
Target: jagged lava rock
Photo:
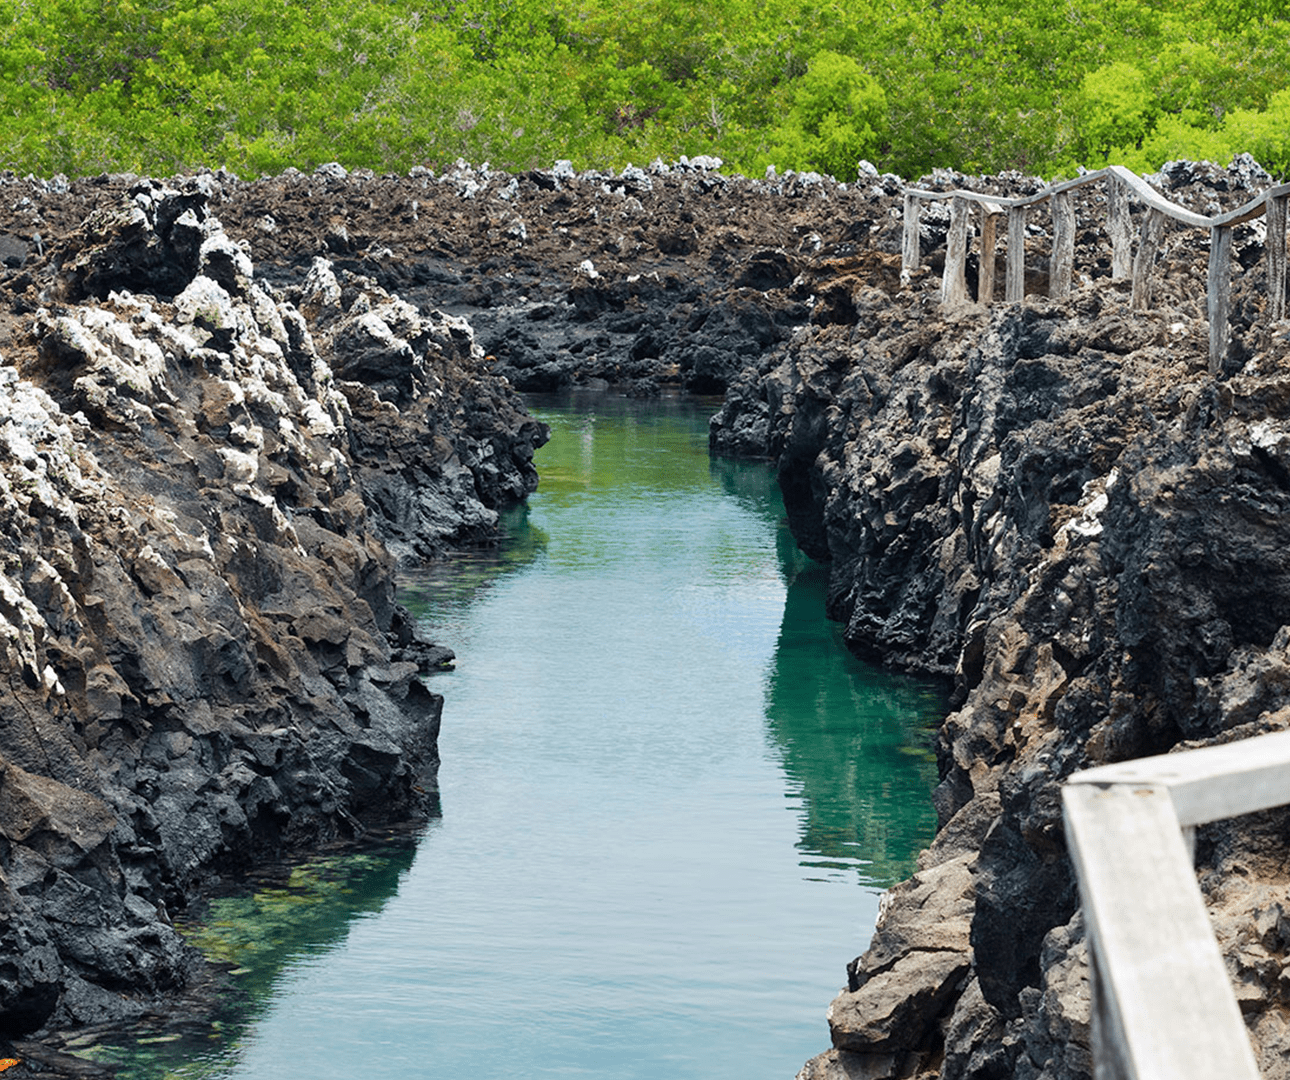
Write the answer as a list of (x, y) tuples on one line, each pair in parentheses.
[(1055, 506), (203, 660)]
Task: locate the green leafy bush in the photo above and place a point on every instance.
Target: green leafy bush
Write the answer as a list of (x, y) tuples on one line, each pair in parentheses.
[(839, 116), (1265, 133), (978, 85), (1116, 109)]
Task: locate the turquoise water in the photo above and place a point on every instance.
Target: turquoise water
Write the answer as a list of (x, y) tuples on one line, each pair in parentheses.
[(670, 801)]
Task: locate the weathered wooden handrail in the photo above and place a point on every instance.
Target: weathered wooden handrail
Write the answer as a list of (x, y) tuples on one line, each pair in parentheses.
[(1123, 185), (1163, 1006)]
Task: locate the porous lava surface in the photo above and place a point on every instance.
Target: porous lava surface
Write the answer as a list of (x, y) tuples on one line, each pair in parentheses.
[(230, 408)]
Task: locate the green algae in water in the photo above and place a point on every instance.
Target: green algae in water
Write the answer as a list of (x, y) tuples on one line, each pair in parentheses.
[(257, 934), (253, 936)]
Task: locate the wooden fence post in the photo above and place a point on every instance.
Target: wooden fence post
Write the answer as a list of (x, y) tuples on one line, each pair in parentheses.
[(954, 281), (1275, 245), (1163, 1007), (1061, 264), (1015, 287), (990, 215), (1148, 245), (1125, 191), (910, 253), (1119, 227), (1219, 294)]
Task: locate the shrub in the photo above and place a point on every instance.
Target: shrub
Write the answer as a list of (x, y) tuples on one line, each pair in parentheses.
[(838, 116)]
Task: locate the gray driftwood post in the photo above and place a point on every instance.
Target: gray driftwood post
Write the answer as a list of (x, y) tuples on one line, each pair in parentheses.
[(1015, 287), (1120, 228), (910, 254), (1148, 245), (990, 215), (1061, 265), (954, 281), (1276, 249), (1219, 294)]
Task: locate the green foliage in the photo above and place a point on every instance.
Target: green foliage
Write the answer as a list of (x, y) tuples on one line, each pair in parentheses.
[(1173, 139), (1115, 107), (1264, 133), (839, 115), (979, 85)]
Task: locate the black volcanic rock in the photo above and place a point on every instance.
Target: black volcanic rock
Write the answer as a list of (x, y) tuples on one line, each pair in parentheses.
[(1057, 507), (204, 664), (217, 439)]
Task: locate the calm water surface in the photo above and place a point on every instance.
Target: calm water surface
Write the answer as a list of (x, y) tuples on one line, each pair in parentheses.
[(670, 802)]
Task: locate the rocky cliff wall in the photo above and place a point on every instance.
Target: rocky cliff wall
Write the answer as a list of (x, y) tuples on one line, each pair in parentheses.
[(204, 486), (228, 409), (1056, 506), (223, 435)]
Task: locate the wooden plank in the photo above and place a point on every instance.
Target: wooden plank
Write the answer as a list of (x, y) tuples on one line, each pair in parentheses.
[(1136, 185), (954, 281), (1149, 195), (1022, 200), (1148, 245), (1162, 977), (1015, 285), (971, 196), (1105, 1034), (990, 215), (1077, 181), (1250, 210), (1275, 246), (1219, 294), (1061, 263), (1119, 226), (1211, 783), (910, 252)]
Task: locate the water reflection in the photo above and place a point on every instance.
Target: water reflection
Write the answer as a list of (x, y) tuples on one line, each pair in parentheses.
[(855, 741), (456, 581), (663, 780), (855, 744)]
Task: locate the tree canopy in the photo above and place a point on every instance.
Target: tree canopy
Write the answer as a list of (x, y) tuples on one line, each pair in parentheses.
[(977, 85)]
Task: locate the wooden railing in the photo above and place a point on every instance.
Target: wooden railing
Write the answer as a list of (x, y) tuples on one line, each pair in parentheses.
[(1163, 1006), (1123, 186)]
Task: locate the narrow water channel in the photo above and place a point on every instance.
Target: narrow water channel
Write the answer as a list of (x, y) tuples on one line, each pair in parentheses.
[(670, 802)]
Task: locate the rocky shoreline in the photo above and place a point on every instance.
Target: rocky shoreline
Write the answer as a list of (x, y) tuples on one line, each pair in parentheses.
[(1057, 506), (231, 408), (205, 489)]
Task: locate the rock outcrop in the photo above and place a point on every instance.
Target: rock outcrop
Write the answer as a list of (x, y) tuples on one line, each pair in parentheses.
[(223, 437), (1056, 506), (672, 276), (204, 486)]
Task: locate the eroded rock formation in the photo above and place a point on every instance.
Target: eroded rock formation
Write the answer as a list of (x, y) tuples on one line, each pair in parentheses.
[(1057, 506), (203, 488), (223, 436)]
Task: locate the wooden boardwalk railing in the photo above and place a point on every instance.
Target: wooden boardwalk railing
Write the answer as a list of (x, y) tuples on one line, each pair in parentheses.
[(1123, 186), (1163, 1006)]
